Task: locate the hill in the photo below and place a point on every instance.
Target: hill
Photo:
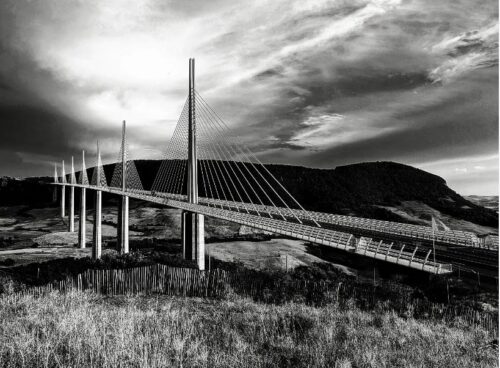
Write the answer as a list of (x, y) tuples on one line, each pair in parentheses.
[(368, 189), (490, 202), (381, 190)]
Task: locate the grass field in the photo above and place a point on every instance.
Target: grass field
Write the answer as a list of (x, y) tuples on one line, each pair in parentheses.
[(84, 330)]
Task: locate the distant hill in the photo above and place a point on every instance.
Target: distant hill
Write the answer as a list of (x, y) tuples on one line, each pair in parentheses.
[(29, 191), (490, 202), (373, 189), (363, 188)]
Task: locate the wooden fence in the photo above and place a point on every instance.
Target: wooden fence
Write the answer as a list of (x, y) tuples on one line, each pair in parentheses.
[(217, 283), (153, 279)]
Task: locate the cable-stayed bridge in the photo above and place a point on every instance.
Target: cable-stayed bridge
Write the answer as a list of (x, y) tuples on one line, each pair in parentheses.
[(206, 171)]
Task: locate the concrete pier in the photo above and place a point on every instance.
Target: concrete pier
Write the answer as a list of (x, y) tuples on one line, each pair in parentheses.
[(63, 201), (71, 223), (123, 207), (56, 180), (97, 236), (123, 233), (192, 224), (83, 219), (193, 238), (63, 191)]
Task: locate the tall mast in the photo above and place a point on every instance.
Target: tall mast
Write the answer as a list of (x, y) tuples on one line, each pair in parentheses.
[(192, 189)]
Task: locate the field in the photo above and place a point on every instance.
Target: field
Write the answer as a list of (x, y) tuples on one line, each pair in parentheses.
[(84, 330), (275, 328), (37, 235)]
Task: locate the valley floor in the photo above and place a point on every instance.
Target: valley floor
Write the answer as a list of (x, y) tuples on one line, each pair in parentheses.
[(80, 329), (84, 330)]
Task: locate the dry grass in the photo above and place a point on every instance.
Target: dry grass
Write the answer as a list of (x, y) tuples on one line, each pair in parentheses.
[(83, 330)]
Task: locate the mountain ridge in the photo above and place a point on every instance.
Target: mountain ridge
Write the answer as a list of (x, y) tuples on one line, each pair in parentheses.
[(369, 189)]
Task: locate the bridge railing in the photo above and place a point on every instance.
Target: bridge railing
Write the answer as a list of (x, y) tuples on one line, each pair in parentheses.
[(455, 237)]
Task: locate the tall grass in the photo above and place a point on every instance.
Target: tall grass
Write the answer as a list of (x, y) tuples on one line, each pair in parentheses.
[(84, 330)]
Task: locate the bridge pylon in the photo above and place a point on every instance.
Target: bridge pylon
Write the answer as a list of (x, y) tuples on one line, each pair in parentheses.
[(123, 204), (71, 223), (192, 224), (83, 205), (56, 181), (97, 235), (63, 191)]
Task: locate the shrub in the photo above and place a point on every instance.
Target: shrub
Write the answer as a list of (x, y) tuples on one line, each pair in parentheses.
[(8, 262)]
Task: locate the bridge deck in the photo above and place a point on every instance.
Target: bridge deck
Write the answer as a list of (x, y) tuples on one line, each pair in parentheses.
[(303, 231), (400, 230), (380, 227)]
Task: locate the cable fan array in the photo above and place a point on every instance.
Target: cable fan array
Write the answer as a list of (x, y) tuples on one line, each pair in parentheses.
[(83, 177), (230, 176), (132, 178), (173, 169), (98, 175)]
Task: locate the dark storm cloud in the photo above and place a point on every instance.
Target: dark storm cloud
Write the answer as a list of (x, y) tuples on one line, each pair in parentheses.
[(449, 122), (450, 129), (320, 82), (406, 85), (34, 130)]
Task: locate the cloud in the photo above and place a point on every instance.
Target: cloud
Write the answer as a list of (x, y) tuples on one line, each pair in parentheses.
[(468, 51), (320, 83), (462, 173)]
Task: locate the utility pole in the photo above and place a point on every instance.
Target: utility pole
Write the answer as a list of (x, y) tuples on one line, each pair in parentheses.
[(193, 224)]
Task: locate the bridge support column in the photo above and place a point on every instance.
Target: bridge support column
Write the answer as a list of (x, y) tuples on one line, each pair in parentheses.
[(122, 225), (56, 180), (63, 191), (63, 201), (83, 219), (193, 238), (71, 224), (193, 224), (97, 238)]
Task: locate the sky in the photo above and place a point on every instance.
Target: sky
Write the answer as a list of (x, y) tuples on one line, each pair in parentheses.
[(318, 83)]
